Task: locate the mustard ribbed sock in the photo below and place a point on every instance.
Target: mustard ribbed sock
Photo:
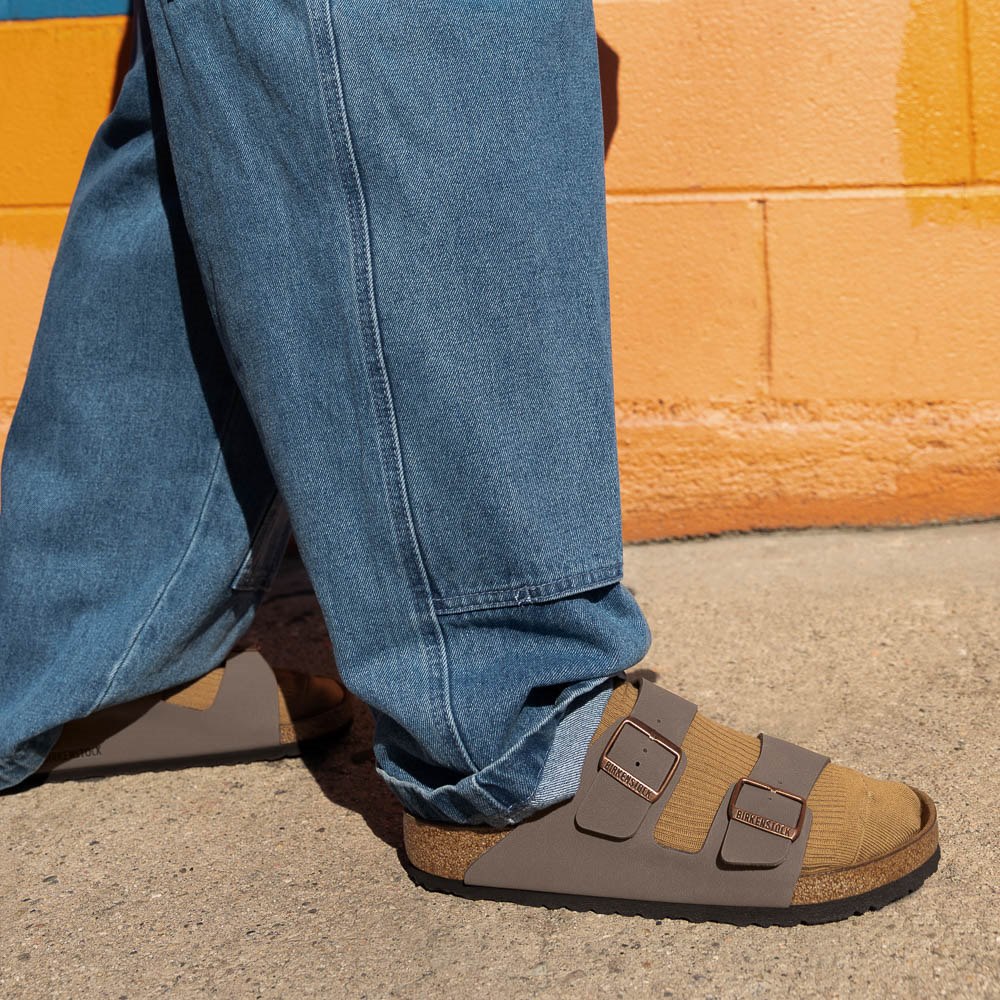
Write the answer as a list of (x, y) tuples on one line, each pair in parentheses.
[(200, 694), (855, 818), (300, 695)]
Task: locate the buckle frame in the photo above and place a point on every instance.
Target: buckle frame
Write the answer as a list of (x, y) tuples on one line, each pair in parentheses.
[(765, 823), (626, 778)]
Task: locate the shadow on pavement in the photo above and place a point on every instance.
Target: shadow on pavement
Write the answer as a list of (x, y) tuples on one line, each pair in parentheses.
[(290, 631)]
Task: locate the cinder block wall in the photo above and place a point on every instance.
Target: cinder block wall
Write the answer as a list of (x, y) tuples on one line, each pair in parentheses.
[(804, 220)]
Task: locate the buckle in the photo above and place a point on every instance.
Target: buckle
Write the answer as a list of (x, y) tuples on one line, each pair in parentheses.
[(764, 823), (626, 778)]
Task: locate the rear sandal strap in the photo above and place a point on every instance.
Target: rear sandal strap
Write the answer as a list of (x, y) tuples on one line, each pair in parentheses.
[(242, 719)]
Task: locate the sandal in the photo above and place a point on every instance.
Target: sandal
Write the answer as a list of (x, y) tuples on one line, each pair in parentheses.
[(677, 816), (242, 711)]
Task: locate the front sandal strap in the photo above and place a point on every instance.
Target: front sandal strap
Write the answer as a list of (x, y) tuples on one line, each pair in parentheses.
[(767, 810)]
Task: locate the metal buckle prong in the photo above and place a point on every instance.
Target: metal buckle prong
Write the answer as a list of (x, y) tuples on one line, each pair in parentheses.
[(763, 822), (627, 778)]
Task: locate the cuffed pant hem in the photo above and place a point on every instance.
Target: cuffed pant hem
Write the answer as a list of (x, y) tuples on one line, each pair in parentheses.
[(557, 750), (561, 774)]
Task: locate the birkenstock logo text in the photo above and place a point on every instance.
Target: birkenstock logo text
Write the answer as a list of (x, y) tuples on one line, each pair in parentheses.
[(763, 823), (61, 756), (630, 781)]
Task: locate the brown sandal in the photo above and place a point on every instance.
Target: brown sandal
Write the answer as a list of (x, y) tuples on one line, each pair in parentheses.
[(598, 851), (242, 711)]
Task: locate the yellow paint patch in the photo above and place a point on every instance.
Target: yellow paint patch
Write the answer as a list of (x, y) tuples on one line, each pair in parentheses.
[(934, 111)]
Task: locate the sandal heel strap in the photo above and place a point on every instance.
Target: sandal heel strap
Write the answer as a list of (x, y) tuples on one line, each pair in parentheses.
[(639, 766)]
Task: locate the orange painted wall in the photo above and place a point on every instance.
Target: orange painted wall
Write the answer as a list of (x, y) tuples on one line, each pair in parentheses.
[(804, 221), (57, 82)]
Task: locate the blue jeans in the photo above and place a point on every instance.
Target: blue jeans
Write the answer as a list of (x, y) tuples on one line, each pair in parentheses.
[(338, 263)]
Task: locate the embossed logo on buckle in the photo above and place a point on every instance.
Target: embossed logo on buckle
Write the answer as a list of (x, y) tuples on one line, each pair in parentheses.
[(627, 778), (765, 823)]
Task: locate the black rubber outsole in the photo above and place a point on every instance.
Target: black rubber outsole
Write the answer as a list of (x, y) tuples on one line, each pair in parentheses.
[(813, 913)]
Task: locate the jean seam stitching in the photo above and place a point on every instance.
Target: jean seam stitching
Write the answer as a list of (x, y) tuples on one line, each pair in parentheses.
[(116, 669), (365, 288), (518, 594)]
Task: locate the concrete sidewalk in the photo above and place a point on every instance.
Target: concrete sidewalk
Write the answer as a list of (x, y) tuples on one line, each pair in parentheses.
[(282, 880)]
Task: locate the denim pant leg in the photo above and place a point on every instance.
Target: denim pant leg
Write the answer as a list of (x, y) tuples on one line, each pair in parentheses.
[(397, 214), (398, 210), (133, 479)]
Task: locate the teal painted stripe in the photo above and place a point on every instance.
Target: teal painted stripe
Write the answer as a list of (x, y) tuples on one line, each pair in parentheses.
[(23, 10)]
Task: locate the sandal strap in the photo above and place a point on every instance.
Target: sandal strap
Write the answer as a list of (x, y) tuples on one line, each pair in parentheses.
[(640, 766), (243, 719), (767, 810)]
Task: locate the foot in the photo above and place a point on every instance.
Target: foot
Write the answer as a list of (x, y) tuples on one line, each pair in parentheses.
[(678, 816)]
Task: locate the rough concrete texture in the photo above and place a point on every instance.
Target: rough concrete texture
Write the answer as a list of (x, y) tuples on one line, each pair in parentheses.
[(280, 880)]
